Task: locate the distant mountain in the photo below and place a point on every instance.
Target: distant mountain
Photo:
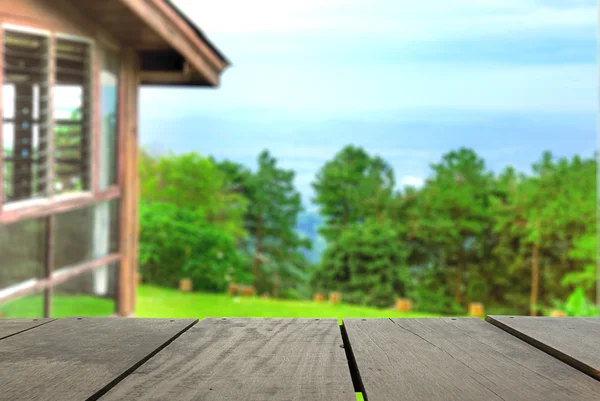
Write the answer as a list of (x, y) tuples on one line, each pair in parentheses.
[(308, 226)]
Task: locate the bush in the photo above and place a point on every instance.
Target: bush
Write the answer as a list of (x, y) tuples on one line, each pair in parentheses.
[(178, 243)]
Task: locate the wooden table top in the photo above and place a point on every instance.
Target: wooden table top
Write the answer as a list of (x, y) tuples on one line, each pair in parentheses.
[(440, 359)]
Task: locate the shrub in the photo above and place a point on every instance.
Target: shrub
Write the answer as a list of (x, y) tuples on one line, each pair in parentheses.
[(178, 243)]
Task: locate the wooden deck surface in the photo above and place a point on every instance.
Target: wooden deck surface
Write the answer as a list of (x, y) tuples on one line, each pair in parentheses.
[(445, 359)]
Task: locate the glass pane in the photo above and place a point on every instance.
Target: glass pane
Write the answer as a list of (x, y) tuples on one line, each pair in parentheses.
[(22, 252), (86, 234), (72, 116), (92, 293), (29, 306), (25, 113), (109, 106)]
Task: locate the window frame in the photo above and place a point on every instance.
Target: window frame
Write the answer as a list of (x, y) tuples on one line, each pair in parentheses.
[(48, 206), (12, 211)]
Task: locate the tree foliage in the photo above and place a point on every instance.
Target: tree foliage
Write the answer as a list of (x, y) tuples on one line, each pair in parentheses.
[(177, 243), (365, 265)]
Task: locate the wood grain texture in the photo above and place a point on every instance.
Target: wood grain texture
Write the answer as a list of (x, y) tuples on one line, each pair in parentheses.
[(573, 340), (77, 359), (10, 327), (457, 359), (246, 360)]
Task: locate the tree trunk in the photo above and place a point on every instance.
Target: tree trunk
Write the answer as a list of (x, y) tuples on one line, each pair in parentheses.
[(256, 261), (458, 283), (459, 274), (535, 280), (276, 284)]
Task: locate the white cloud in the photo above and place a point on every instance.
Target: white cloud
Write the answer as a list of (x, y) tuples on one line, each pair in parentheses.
[(412, 181), (406, 20)]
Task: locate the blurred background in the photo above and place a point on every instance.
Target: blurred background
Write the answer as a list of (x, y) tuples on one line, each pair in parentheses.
[(358, 159)]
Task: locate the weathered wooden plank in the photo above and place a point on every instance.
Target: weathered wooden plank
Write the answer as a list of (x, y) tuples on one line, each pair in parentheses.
[(246, 360), (457, 359), (74, 359), (10, 327), (573, 340)]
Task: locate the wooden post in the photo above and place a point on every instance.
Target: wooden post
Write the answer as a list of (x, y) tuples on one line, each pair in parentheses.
[(476, 309), (129, 182)]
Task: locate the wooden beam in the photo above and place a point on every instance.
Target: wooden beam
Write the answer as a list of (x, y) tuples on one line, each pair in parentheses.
[(46, 207), (1, 126), (50, 114), (40, 285), (203, 60), (96, 128), (49, 265), (163, 77)]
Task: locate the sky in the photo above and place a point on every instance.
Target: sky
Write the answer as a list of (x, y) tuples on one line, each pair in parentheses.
[(406, 80)]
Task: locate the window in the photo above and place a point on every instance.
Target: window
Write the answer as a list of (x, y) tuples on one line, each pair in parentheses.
[(72, 120), (91, 293), (109, 97), (23, 252), (27, 118), (46, 142), (25, 125), (86, 234)]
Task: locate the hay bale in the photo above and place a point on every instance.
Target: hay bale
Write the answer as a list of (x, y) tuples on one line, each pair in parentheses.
[(185, 285), (318, 297), (403, 305), (335, 297), (476, 309)]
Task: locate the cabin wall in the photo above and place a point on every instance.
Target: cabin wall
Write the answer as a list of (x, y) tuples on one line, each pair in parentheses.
[(60, 16), (56, 15)]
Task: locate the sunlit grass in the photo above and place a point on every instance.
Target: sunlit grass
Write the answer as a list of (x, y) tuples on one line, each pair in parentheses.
[(167, 303), (62, 306)]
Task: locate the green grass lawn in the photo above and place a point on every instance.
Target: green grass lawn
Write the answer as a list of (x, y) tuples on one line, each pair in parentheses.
[(160, 302), (165, 303)]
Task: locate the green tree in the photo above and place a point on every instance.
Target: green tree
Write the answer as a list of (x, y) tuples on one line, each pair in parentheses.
[(271, 220), (351, 188), (456, 217)]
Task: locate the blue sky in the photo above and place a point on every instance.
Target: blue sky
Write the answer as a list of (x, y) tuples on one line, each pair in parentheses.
[(407, 80)]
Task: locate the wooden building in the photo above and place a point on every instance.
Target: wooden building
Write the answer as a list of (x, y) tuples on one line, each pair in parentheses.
[(70, 72)]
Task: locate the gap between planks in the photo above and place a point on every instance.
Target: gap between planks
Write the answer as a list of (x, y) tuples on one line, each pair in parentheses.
[(134, 367)]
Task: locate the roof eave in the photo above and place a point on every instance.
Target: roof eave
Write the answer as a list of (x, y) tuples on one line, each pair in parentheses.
[(184, 37)]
